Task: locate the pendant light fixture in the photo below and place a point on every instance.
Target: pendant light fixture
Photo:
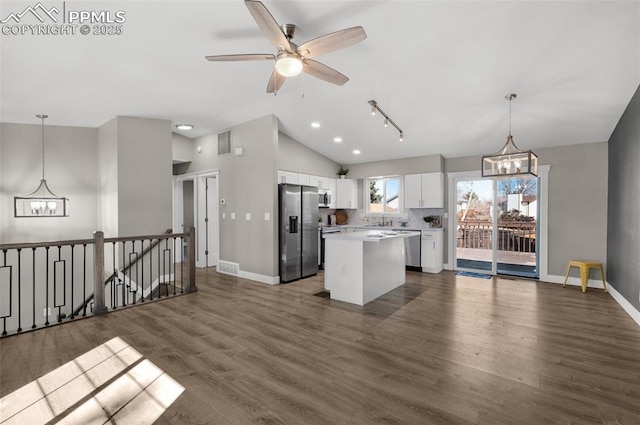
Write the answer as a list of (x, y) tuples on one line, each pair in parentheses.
[(510, 161), (42, 202)]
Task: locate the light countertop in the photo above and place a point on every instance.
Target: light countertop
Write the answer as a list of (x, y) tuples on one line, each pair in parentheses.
[(373, 235)]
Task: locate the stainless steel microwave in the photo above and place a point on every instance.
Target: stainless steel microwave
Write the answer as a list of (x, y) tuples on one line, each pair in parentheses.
[(324, 198)]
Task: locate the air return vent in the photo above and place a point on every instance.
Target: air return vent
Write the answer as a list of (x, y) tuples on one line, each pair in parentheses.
[(228, 267), (224, 143)]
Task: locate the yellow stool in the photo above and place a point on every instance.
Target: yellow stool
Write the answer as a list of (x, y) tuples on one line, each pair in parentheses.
[(584, 267)]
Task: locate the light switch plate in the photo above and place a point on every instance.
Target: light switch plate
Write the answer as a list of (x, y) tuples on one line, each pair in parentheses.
[(224, 215), (233, 216), (267, 216), (247, 216)]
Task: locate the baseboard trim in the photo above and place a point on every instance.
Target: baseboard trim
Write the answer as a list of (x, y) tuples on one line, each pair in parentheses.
[(592, 283), (269, 280)]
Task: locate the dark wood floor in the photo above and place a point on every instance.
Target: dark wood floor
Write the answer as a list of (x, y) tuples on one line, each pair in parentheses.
[(442, 349)]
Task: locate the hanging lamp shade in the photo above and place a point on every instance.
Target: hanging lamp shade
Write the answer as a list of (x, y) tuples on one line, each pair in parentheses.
[(42, 202), (510, 161)]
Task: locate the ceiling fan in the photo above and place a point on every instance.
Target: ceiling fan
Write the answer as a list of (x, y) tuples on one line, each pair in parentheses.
[(291, 59)]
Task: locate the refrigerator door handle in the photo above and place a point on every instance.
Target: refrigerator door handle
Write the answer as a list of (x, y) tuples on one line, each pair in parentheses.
[(293, 224)]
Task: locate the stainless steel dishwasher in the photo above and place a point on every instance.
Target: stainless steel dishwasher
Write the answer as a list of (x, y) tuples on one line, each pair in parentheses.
[(412, 252)]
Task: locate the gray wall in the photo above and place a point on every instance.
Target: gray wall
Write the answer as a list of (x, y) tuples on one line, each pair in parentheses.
[(134, 171), (248, 185), (577, 201), (107, 169), (623, 223), (181, 148), (296, 157), (70, 161), (144, 176)]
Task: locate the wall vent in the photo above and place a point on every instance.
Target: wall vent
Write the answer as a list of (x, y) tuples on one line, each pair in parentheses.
[(224, 143), (228, 267)]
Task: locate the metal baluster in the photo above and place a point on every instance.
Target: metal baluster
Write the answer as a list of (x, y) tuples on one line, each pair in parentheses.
[(114, 293), (72, 273), (4, 319), (173, 261), (124, 277), (133, 249), (33, 294), (182, 265), (151, 269), (54, 286), (84, 279), (46, 306), (142, 270), (159, 279), (19, 291)]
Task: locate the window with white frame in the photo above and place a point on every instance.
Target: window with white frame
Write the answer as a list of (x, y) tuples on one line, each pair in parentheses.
[(384, 195)]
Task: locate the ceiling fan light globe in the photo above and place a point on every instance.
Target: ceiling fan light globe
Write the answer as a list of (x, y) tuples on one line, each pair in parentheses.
[(288, 65)]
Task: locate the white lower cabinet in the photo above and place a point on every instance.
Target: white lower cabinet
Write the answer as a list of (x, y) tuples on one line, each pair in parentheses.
[(431, 251)]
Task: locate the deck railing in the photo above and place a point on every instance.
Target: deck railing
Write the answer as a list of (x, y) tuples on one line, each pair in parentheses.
[(514, 236), (77, 278)]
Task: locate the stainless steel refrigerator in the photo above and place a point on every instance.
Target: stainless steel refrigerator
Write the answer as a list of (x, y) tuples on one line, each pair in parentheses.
[(298, 231)]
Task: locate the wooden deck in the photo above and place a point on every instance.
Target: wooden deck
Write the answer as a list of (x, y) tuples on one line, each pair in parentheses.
[(442, 349)]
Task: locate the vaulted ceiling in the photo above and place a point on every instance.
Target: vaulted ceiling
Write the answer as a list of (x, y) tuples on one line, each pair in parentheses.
[(440, 69)]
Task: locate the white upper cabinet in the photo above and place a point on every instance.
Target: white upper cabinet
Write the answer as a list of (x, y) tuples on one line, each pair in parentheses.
[(287, 177), (424, 190), (304, 179), (332, 189), (319, 182), (346, 193)]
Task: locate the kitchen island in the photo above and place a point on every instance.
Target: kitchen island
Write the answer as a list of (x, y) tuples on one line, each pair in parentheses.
[(362, 266)]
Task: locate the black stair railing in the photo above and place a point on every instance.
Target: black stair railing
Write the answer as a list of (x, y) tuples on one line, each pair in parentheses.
[(53, 276)]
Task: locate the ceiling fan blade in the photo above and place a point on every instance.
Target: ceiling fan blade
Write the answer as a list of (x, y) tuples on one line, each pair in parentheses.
[(332, 42), (268, 25), (275, 82), (324, 72), (234, 58)]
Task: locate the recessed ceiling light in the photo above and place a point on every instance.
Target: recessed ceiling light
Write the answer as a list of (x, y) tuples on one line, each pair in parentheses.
[(315, 124), (337, 139), (356, 152), (184, 126)]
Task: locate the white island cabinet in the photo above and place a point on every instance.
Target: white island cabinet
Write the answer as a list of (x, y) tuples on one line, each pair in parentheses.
[(361, 266)]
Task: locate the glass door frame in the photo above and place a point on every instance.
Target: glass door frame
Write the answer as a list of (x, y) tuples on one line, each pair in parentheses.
[(542, 231)]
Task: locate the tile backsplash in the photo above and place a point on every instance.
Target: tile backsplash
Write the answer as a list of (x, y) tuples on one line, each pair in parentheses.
[(414, 217)]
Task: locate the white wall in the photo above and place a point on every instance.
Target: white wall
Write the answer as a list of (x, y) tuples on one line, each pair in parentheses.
[(296, 157)]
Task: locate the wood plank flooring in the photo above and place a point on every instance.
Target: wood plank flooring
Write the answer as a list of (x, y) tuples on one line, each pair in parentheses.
[(442, 349)]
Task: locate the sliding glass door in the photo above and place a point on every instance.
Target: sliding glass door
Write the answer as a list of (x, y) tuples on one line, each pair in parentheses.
[(496, 226)]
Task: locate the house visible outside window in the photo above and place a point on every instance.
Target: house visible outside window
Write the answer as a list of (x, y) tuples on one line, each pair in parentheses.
[(385, 195)]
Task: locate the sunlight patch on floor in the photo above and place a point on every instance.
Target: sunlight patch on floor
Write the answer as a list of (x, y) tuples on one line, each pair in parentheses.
[(112, 382)]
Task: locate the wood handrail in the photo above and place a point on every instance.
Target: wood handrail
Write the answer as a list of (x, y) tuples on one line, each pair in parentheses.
[(27, 245)]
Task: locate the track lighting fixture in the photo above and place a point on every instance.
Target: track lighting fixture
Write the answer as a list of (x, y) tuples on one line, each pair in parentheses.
[(375, 108)]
